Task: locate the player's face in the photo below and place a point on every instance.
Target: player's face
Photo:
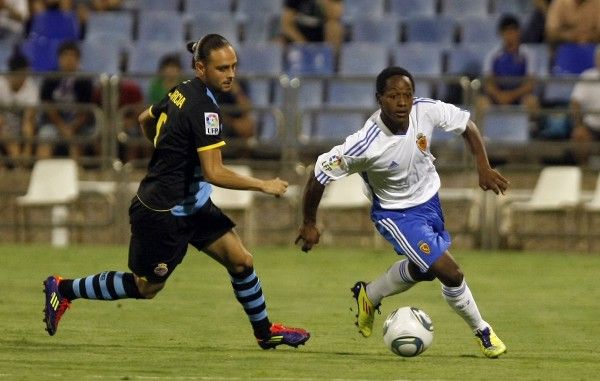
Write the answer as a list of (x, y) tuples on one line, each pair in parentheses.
[(219, 70), (396, 101)]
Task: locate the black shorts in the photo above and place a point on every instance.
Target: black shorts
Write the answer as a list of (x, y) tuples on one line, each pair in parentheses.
[(159, 240)]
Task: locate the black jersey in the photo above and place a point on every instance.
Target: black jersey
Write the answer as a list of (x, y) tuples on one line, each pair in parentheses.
[(187, 121)]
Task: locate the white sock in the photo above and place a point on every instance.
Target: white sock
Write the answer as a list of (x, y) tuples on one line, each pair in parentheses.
[(462, 302), (395, 280)]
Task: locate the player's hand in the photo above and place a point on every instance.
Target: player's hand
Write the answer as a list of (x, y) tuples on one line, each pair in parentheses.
[(309, 235), (490, 179), (276, 187)]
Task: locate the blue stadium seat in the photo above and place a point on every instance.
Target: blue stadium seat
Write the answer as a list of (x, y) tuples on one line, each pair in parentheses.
[(99, 57), (209, 6), (310, 93), (463, 8), (144, 57), (309, 59), (358, 9), (245, 7), (430, 29), (161, 5), (361, 58), (352, 93), (167, 26), (413, 8), (6, 50), (260, 59), (504, 126), (466, 60), (385, 29), (336, 125), (221, 23), (420, 60), (119, 23), (515, 7), (261, 27), (557, 91), (476, 29), (541, 52), (571, 58)]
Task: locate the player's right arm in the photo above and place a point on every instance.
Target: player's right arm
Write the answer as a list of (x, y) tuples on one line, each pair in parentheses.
[(147, 122), (308, 233)]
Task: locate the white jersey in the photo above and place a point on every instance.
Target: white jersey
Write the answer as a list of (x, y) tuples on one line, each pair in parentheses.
[(398, 170)]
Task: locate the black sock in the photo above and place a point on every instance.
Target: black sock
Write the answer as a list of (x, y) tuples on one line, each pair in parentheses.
[(248, 292), (108, 285)]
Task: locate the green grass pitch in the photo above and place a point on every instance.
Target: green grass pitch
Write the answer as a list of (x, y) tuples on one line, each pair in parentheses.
[(544, 306)]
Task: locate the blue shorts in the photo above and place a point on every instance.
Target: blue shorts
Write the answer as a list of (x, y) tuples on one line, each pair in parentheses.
[(416, 232)]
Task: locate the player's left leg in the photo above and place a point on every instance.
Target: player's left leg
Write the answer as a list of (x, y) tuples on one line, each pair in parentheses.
[(231, 253), (457, 294)]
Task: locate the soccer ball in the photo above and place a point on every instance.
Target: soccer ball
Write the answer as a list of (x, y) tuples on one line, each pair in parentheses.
[(408, 331)]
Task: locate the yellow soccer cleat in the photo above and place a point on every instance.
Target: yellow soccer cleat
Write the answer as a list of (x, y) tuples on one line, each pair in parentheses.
[(366, 309), (490, 344)]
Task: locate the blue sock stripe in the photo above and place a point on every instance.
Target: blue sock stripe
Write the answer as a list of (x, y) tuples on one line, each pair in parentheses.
[(118, 283), (248, 292), (254, 303), (259, 316), (76, 287), (247, 279), (89, 287), (104, 287)]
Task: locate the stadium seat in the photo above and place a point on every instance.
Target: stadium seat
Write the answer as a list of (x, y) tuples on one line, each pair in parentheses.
[(53, 184), (466, 60), (361, 58), (541, 53), (571, 58), (310, 93), (558, 89), (514, 7), (209, 6), (358, 9), (309, 59), (351, 93), (504, 126), (161, 5), (237, 201), (420, 60), (119, 23), (166, 26), (477, 29), (334, 126), (99, 57), (203, 23), (257, 28), (144, 57), (458, 9), (413, 8), (246, 7), (384, 29), (260, 59), (430, 29)]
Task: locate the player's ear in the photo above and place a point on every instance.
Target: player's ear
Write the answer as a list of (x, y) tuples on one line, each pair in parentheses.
[(199, 66)]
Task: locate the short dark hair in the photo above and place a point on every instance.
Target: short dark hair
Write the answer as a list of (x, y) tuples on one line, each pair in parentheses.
[(508, 21), (69, 46), (390, 72), (169, 60), (201, 49), (17, 60)]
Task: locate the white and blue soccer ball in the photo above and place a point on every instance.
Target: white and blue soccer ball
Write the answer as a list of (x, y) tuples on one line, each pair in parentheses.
[(408, 331)]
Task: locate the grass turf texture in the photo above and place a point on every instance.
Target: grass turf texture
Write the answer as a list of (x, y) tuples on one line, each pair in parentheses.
[(544, 306)]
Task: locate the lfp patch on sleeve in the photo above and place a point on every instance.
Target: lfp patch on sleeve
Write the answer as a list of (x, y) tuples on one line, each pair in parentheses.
[(211, 123)]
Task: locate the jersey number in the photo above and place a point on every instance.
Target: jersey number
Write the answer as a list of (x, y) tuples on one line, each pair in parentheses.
[(161, 120)]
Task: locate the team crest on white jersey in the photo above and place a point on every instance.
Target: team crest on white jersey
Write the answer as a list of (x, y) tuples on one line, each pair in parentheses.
[(422, 142), (211, 123)]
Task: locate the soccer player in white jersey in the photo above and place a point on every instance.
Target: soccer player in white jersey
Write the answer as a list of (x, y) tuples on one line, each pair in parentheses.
[(391, 154)]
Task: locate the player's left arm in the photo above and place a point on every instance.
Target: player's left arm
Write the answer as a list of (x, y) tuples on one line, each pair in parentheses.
[(147, 122), (489, 178)]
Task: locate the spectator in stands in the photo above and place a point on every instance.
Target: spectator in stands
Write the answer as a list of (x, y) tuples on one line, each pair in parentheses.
[(575, 21), (13, 17), (313, 21), (239, 124), (55, 21), (584, 106), (534, 31), (61, 124), (509, 71), (19, 96), (170, 73)]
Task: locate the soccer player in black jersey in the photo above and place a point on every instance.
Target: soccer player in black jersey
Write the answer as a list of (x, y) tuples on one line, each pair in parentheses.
[(173, 208)]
